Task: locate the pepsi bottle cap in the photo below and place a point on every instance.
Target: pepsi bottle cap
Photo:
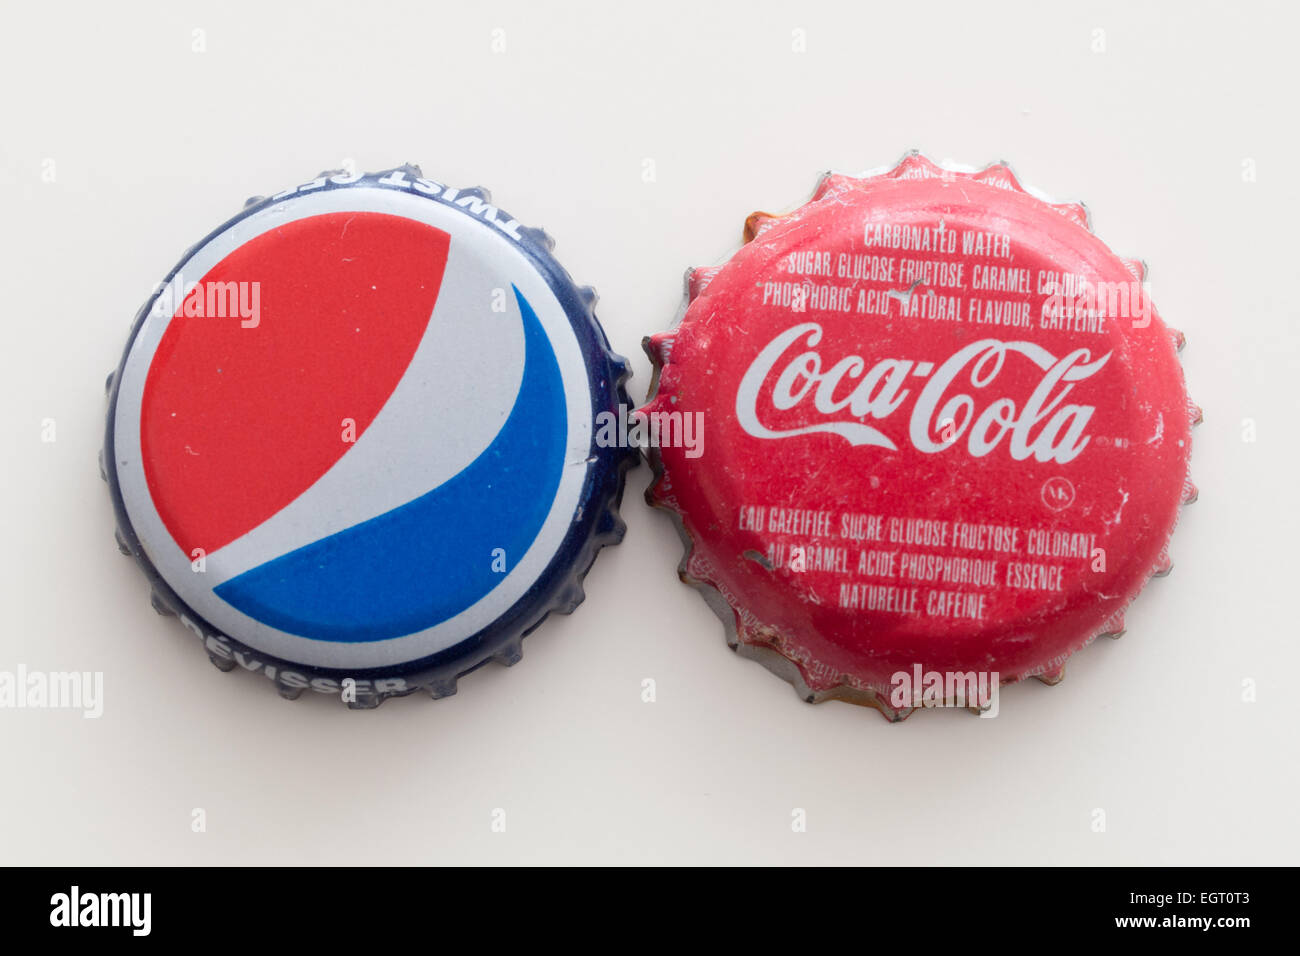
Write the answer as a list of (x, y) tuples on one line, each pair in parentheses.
[(351, 441), (949, 437)]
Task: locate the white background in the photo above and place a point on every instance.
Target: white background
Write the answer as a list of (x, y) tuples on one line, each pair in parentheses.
[(153, 144)]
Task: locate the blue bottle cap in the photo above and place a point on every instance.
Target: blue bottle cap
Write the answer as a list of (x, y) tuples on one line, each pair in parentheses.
[(352, 438)]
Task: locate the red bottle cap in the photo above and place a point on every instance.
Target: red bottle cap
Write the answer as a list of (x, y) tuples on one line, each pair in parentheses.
[(946, 433)]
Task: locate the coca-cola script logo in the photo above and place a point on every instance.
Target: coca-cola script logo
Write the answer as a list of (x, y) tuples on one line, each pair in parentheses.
[(943, 412)]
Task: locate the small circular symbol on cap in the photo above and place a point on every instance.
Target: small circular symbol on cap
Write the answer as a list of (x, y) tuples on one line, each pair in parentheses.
[(1058, 493)]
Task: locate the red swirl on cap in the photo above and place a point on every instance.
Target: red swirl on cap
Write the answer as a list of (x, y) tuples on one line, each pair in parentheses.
[(222, 426), (944, 431)]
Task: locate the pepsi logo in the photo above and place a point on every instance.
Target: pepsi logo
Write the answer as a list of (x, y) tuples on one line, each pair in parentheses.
[(389, 459)]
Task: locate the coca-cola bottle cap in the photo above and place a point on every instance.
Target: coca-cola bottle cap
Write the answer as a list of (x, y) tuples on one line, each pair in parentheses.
[(945, 436)]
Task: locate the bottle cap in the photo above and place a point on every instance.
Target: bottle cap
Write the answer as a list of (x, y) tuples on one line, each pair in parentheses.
[(948, 436), (351, 443)]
